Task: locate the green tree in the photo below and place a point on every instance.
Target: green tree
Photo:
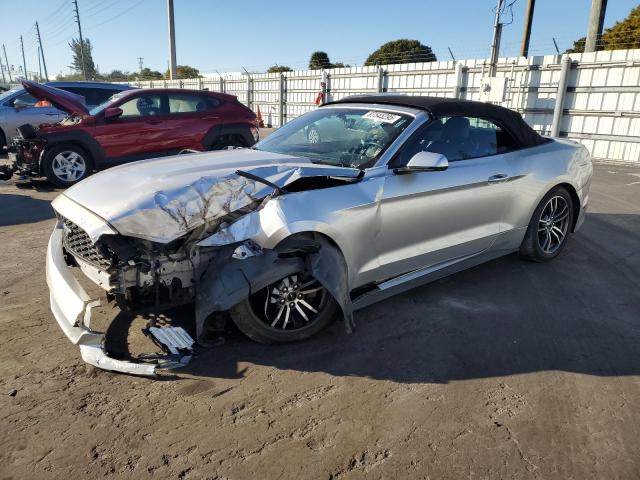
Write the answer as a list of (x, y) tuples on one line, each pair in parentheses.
[(76, 62), (401, 51), (184, 71), (623, 35), (319, 60), (146, 74), (117, 76), (279, 69)]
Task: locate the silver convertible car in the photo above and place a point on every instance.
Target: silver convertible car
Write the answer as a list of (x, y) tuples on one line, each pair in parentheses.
[(282, 237)]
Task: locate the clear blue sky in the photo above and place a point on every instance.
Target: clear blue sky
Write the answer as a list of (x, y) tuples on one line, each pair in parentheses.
[(228, 35)]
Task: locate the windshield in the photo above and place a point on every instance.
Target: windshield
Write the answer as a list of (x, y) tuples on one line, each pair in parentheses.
[(349, 137), (116, 96), (8, 94)]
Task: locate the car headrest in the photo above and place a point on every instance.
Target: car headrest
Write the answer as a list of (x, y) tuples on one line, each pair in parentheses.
[(456, 128)]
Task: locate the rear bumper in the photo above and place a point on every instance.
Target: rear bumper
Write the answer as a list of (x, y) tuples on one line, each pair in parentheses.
[(72, 307)]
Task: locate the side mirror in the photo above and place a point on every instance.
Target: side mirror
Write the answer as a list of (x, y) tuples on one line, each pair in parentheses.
[(425, 162), (20, 105), (112, 113)]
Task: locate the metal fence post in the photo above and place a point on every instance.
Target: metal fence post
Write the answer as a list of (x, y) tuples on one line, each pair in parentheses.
[(558, 108), (199, 83), (281, 100), (381, 73), (249, 91), (459, 73), (221, 84), (324, 86)]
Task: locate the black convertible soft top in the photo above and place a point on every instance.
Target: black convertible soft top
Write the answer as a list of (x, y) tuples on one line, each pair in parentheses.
[(507, 119)]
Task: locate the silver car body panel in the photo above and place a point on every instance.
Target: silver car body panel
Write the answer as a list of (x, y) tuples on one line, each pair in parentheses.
[(394, 231)]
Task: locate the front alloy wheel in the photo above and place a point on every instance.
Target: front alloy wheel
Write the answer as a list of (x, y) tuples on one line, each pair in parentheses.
[(294, 308), (66, 164), (69, 166)]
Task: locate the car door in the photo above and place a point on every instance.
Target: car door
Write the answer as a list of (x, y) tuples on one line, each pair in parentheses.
[(138, 133), (191, 115), (428, 218), (27, 110)]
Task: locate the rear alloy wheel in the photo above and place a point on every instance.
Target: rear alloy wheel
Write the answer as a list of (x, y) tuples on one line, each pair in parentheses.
[(550, 226), (292, 309), (65, 165)]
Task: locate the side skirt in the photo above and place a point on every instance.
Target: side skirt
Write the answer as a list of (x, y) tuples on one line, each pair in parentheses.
[(415, 278)]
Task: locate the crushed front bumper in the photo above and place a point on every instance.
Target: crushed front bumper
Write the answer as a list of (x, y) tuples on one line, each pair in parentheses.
[(72, 307)]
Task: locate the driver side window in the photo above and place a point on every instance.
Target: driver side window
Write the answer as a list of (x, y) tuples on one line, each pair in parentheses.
[(145, 105)]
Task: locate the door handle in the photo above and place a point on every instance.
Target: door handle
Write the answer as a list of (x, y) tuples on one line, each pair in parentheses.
[(154, 122), (498, 178)]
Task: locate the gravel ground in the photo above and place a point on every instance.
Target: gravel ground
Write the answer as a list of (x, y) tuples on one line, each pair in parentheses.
[(508, 370)]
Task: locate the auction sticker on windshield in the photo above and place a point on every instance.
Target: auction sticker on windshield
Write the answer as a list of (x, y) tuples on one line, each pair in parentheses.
[(381, 117)]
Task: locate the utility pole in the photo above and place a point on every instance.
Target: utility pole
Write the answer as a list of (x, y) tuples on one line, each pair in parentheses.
[(39, 66), (173, 68), (7, 63), (526, 35), (140, 59), (495, 44), (44, 63), (24, 62), (84, 69), (596, 22)]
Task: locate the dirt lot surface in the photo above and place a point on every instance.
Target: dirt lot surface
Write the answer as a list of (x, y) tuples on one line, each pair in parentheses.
[(508, 370)]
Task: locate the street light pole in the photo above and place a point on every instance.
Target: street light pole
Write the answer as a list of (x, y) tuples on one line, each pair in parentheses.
[(526, 35), (173, 68)]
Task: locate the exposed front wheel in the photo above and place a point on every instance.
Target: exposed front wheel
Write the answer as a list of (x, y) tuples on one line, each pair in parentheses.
[(292, 309), (549, 227), (66, 164)]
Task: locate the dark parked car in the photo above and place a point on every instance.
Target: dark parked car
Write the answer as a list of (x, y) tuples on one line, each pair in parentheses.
[(133, 125), (18, 106)]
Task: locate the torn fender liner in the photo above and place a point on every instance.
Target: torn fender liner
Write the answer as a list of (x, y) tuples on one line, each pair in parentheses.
[(227, 281), (329, 267)]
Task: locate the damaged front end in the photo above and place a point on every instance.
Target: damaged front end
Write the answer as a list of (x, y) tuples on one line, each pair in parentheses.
[(201, 243)]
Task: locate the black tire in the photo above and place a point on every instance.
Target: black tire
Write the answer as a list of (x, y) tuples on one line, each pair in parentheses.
[(74, 153), (549, 228), (3, 141), (249, 318), (227, 141)]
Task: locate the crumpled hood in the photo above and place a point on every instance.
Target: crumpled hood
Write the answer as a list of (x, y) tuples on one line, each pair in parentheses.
[(162, 199), (67, 101)]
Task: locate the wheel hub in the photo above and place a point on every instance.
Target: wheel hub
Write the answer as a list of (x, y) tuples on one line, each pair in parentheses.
[(292, 299)]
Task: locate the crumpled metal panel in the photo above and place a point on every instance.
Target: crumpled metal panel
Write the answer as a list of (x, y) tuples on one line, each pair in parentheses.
[(161, 200)]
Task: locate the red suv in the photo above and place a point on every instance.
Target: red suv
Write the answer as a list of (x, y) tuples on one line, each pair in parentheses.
[(132, 125)]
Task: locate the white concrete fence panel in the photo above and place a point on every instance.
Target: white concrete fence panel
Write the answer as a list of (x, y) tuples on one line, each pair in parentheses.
[(599, 92)]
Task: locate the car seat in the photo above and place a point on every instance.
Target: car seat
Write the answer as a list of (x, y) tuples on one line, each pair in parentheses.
[(454, 142)]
